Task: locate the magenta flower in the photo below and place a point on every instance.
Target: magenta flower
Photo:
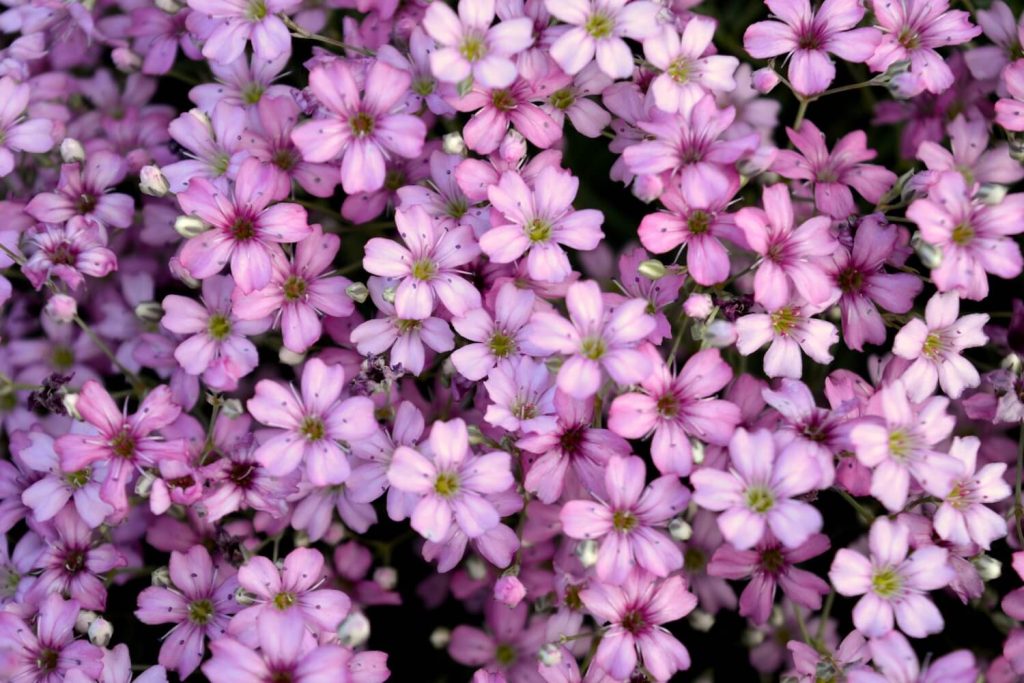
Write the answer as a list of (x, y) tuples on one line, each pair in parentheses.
[(659, 294), (769, 566), (597, 337), (598, 29), (687, 74), (233, 23), (912, 29), (934, 346), (217, 346), (34, 135), (246, 229), (124, 442), (451, 483), (859, 274), (676, 407), (493, 338), (441, 197), (892, 582), (758, 492), (300, 292), (833, 174), (635, 612), (284, 655), (311, 428), (469, 47), (627, 524), (364, 130), (790, 256), (508, 649), (535, 221), (972, 153), (287, 598), (48, 650), (157, 37), (963, 516), (68, 252), (83, 190), (237, 481), (498, 109), (900, 443), (427, 267), (975, 238), (48, 496), (807, 37), (271, 142), (790, 330), (214, 144), (199, 602)]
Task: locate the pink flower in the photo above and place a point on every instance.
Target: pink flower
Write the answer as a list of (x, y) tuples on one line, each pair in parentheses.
[(686, 73), (975, 238), (900, 443), (808, 37), (790, 329), (893, 655), (627, 524), (246, 229), (833, 174), (498, 109), (758, 492), (363, 130), (493, 338), (237, 481), (1010, 110), (83, 190), (570, 97), (859, 274), (438, 192), (790, 256), (123, 441), (48, 650), (537, 220), (284, 655), (971, 153), (469, 47), (598, 28), (509, 591), (427, 268), (310, 428), (659, 294), (770, 565), (635, 612), (199, 605), (892, 583), (34, 135), (822, 433), (215, 145), (451, 483), (597, 337), (521, 396), (233, 23), (218, 347), (68, 252), (288, 598), (1002, 28), (300, 292), (935, 344), (963, 516), (676, 407)]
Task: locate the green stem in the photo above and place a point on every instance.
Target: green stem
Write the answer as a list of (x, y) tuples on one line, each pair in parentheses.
[(804, 633), (133, 379), (800, 112), (825, 612), (300, 32), (861, 510)]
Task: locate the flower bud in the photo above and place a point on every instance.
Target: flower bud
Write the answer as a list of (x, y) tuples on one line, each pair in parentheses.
[(698, 306), (100, 632), (290, 357), (182, 274), (475, 568), (652, 269), (71, 151), (84, 620), (190, 226), (452, 143), (244, 597), (161, 577), (70, 402), (476, 437), (358, 292), (992, 193), (126, 60), (989, 568), (701, 621), (764, 80), (152, 182), (930, 255), (169, 6), (232, 408), (440, 637), (697, 451), (680, 529), (144, 484), (149, 311), (388, 295), (550, 654), (586, 551), (752, 637), (509, 590), (354, 630), (647, 188), (61, 308), (386, 577), (512, 148)]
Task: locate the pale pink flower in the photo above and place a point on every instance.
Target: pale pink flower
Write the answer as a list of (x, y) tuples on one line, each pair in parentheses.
[(571, 98), (934, 346), (963, 516), (790, 330), (499, 109), (84, 190), (688, 71), (598, 28), (493, 338), (47, 651), (759, 492), (233, 23), (68, 252), (986, 62), (895, 658), (1010, 110), (34, 135), (894, 583), (808, 37), (521, 396), (972, 154)]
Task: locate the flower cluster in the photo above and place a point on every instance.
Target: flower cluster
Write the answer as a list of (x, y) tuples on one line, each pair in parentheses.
[(520, 341)]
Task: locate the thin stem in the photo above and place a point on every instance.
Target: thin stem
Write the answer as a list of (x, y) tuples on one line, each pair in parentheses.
[(801, 112), (804, 633), (133, 379), (300, 32), (825, 612), (861, 510)]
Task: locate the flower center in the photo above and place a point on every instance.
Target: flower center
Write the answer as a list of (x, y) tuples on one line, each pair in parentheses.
[(9, 581), (424, 269), (423, 86), (909, 39), (932, 346), (886, 583), (456, 208), (694, 560), (285, 159), (599, 25), (446, 485), (538, 230), (74, 561), (243, 229), (200, 611), (294, 288), (77, 480), (86, 202), (698, 222), (593, 348), (219, 327), (760, 499), (47, 660), (63, 357), (123, 444), (220, 164), (502, 100), (256, 11), (772, 560), (851, 281), (312, 428), (252, 93), (899, 445), (562, 99), (524, 409), (624, 521), (962, 234), (572, 439), (407, 326), (784, 320), (505, 654), (63, 255), (667, 405), (283, 601), (679, 70), (473, 48), (502, 345), (633, 621), (361, 124)]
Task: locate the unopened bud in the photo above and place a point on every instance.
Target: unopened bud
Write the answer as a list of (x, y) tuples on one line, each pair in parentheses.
[(100, 632), (992, 193), (290, 357), (388, 295), (475, 568), (70, 402), (550, 654), (354, 630), (647, 188), (452, 143), (386, 577), (61, 308), (509, 590), (144, 484), (244, 597), (84, 620), (989, 568), (930, 255), (440, 637), (169, 6), (149, 311), (697, 451), (71, 151), (680, 529), (752, 638), (152, 182), (358, 292), (161, 577), (764, 80), (698, 306), (701, 621), (476, 437), (719, 334), (232, 408), (586, 551), (1016, 146), (126, 60), (190, 226), (512, 148), (652, 269)]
